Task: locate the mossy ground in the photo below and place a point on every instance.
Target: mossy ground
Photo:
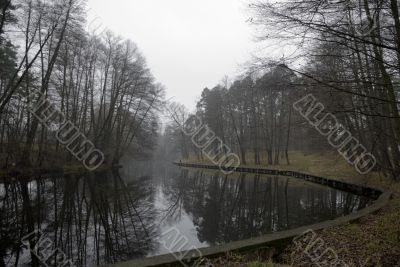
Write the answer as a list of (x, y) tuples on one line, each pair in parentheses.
[(372, 241)]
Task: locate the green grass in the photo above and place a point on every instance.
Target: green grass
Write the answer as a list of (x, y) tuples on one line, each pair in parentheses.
[(330, 165)]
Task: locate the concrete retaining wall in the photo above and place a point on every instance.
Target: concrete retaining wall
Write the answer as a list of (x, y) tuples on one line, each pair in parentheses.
[(275, 240), (351, 188)]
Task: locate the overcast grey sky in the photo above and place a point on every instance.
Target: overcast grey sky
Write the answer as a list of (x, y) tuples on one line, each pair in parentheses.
[(189, 44)]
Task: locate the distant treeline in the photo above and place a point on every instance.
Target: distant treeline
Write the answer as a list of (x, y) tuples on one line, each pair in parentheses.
[(347, 54)]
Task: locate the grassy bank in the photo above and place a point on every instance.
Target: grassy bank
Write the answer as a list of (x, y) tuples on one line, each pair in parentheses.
[(373, 241)]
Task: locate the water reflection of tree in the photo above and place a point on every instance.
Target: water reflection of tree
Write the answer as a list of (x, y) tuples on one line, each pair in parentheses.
[(94, 219), (226, 209)]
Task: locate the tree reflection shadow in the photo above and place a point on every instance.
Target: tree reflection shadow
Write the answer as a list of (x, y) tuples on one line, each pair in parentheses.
[(93, 218), (227, 209), (98, 218)]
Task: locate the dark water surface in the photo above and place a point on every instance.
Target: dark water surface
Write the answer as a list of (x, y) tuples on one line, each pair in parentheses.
[(109, 217)]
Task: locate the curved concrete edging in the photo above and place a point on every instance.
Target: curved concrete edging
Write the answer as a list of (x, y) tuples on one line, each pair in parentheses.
[(269, 240), (352, 188)]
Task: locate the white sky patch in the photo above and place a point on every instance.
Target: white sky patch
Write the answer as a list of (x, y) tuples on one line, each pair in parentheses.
[(189, 45)]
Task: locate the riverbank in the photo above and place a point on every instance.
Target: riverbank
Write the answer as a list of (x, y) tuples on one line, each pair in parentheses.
[(374, 240)]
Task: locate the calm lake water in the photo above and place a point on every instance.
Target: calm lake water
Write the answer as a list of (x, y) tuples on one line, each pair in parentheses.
[(109, 217)]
